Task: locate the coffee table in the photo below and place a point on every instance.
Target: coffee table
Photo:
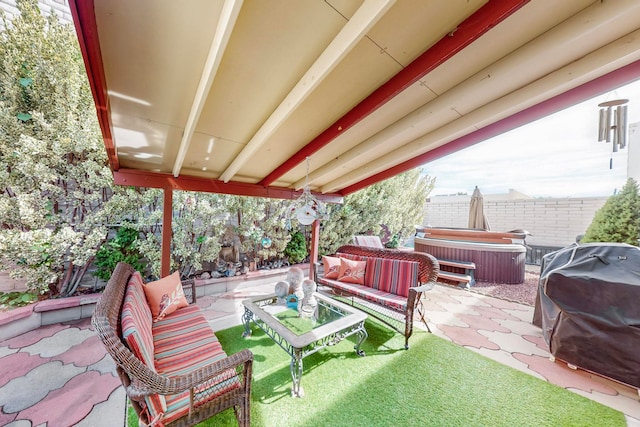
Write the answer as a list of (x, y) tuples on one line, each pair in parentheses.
[(303, 334)]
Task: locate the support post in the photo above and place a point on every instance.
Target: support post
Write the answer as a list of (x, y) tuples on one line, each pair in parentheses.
[(315, 244), (167, 216)]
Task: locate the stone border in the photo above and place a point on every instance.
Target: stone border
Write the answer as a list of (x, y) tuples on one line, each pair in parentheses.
[(33, 316), (20, 320)]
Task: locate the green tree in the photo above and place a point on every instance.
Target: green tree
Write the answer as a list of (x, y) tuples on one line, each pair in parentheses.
[(296, 249), (54, 181), (398, 203), (618, 220)]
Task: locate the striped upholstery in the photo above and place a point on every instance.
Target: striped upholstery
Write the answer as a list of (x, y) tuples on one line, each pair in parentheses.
[(352, 257), (370, 241), (137, 333), (183, 342), (391, 275), (379, 297)]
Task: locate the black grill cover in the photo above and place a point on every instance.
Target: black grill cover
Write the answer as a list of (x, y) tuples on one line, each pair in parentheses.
[(588, 306)]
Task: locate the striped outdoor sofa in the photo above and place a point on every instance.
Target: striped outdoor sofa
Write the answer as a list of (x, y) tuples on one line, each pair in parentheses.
[(389, 288), (174, 370)]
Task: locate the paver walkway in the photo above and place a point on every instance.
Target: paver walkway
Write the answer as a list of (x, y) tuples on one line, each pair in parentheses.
[(60, 375)]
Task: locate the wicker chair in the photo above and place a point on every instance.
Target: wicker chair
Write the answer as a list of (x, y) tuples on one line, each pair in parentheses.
[(399, 318), (204, 395)]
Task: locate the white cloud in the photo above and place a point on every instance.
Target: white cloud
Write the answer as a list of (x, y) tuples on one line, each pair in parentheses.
[(557, 156)]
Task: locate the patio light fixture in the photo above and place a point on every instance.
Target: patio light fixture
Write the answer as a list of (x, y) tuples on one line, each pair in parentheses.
[(307, 208), (612, 126)]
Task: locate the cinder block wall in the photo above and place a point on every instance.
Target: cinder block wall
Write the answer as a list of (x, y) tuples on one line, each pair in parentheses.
[(551, 221)]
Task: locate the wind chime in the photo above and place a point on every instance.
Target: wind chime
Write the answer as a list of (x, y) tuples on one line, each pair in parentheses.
[(613, 125)]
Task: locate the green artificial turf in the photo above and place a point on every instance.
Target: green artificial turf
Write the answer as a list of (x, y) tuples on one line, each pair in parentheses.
[(434, 383)]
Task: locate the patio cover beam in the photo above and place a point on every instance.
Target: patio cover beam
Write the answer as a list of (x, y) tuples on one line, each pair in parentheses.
[(488, 16), (228, 17), (354, 30), (600, 85), (139, 178)]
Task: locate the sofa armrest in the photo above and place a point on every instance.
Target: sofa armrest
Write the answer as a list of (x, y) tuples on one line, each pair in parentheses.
[(423, 288), (241, 362)]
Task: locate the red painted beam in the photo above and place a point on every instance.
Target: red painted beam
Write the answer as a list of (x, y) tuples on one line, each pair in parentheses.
[(140, 178), (167, 219), (488, 16), (598, 86), (84, 19)]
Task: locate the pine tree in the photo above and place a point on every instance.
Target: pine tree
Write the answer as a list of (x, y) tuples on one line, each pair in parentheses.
[(619, 219)]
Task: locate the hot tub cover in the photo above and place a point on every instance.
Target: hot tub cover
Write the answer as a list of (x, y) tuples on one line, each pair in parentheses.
[(588, 306)]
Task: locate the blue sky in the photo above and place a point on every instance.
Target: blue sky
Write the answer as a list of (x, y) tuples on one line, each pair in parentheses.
[(558, 156)]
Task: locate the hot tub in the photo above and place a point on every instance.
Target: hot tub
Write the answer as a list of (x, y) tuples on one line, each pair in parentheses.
[(499, 257)]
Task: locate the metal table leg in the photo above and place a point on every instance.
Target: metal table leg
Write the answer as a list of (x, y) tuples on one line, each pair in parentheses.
[(296, 373), (362, 335), (246, 319)]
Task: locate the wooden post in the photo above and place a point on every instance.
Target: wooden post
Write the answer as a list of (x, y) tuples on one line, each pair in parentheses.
[(315, 244), (167, 216)]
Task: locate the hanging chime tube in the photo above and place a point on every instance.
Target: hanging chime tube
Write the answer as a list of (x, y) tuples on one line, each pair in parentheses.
[(622, 123), (602, 125)]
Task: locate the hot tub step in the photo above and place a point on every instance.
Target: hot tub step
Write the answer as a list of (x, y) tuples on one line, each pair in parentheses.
[(464, 280)]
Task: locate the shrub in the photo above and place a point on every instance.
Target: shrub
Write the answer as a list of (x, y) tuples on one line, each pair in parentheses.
[(122, 248), (296, 249), (619, 219)]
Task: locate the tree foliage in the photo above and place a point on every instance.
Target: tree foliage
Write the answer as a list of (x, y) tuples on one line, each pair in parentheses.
[(619, 219), (58, 201), (54, 181), (296, 250), (257, 218), (397, 203)]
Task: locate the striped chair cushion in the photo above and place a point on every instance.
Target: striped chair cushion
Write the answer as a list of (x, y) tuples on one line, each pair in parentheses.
[(383, 298), (137, 334), (391, 275), (370, 241), (351, 257), (184, 341)]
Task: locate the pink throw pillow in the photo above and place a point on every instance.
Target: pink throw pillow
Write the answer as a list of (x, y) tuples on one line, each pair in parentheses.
[(352, 271), (165, 296), (331, 266)]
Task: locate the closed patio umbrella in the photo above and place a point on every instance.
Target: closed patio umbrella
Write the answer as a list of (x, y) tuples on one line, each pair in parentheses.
[(477, 217)]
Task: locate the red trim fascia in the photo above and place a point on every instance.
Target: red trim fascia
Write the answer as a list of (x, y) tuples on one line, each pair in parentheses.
[(139, 178), (488, 16), (598, 86), (84, 20)]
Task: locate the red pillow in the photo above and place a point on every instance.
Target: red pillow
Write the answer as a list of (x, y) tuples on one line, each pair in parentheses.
[(331, 266), (352, 271), (165, 296)]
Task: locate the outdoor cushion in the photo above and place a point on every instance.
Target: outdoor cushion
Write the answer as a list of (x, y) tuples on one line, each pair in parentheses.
[(379, 297), (183, 342), (391, 275), (137, 334), (370, 241), (331, 266), (352, 271), (165, 296)]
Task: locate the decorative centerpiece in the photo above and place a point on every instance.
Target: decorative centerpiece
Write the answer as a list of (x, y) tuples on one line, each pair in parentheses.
[(282, 290), (308, 289), (290, 290)]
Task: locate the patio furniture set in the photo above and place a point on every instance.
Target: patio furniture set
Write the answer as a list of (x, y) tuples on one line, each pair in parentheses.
[(173, 367)]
